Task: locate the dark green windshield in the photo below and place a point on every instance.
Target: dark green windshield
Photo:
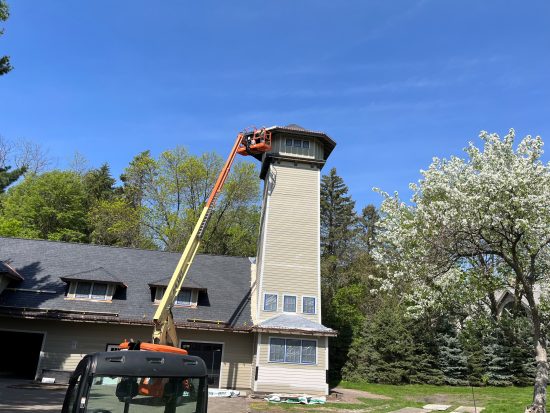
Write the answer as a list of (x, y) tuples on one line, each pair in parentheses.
[(112, 394)]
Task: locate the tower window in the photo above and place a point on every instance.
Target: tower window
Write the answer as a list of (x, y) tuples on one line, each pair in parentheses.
[(289, 142), (305, 144), (270, 302), (297, 143), (308, 305), (289, 303)]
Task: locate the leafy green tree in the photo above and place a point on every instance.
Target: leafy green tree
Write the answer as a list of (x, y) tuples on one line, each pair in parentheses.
[(5, 66), (48, 206), (173, 189), (493, 203), (116, 222)]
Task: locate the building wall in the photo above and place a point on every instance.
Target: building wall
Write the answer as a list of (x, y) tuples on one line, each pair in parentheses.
[(291, 378), (288, 258), (67, 342)]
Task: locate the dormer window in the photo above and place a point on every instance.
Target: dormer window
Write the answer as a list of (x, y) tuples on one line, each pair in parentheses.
[(97, 284), (187, 297), (90, 290), (184, 297)]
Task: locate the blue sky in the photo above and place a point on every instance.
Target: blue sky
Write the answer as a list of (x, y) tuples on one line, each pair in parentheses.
[(393, 82)]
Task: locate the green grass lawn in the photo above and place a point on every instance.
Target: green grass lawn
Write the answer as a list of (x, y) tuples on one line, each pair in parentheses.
[(494, 399)]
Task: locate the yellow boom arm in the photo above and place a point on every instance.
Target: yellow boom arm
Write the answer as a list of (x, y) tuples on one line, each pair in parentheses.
[(164, 326)]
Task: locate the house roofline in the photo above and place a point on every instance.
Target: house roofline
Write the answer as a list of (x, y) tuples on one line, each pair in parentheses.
[(98, 317), (331, 333)]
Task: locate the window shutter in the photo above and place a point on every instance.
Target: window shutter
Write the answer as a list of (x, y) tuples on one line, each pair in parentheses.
[(110, 291), (72, 288)]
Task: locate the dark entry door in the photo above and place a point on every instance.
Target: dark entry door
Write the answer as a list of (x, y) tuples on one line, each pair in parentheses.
[(211, 353), (20, 354)]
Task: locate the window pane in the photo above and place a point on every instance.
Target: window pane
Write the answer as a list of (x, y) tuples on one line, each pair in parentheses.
[(83, 289), (277, 349), (159, 292), (184, 297), (270, 302), (289, 142), (308, 351), (305, 144), (293, 348), (289, 302), (308, 305), (297, 143), (99, 291)]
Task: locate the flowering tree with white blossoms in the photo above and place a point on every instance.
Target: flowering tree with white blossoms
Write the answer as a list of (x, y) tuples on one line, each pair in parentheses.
[(474, 226)]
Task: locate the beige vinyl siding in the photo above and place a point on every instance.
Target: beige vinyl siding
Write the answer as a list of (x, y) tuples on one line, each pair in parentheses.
[(290, 258), (321, 352), (236, 368), (281, 379), (67, 342), (291, 378)]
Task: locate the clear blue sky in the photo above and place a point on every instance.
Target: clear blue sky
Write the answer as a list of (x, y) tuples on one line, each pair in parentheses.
[(393, 82)]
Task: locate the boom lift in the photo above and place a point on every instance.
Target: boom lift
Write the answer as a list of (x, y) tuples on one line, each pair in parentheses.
[(160, 377)]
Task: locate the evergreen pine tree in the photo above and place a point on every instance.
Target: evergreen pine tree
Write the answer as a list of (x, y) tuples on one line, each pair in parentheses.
[(517, 333), (337, 216), (8, 177), (497, 360), (451, 358), (383, 351), (425, 367)]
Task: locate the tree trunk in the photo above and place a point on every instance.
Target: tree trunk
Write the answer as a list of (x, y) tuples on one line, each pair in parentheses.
[(541, 377)]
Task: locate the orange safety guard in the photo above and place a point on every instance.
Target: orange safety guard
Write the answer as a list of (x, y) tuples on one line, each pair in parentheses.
[(155, 347)]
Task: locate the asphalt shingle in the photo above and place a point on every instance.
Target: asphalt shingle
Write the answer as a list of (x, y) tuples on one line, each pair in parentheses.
[(43, 264)]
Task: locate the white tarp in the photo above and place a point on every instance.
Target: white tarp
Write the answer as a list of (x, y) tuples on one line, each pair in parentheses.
[(223, 393)]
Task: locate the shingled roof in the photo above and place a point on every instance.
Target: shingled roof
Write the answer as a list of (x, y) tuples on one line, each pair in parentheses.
[(293, 323), (96, 274), (45, 264)]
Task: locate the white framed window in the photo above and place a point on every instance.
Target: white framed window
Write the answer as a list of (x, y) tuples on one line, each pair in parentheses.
[(270, 302), (309, 305), (184, 298), (292, 350), (305, 144), (297, 143), (92, 290), (288, 142), (289, 303)]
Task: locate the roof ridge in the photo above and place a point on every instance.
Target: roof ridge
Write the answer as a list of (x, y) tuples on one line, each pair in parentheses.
[(85, 244)]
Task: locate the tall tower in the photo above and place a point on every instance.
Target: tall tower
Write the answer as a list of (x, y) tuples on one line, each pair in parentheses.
[(286, 283)]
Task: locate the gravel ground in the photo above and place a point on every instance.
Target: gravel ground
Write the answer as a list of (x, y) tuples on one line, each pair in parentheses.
[(23, 396)]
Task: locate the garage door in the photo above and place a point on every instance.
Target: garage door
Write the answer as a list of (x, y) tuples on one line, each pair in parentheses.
[(20, 353)]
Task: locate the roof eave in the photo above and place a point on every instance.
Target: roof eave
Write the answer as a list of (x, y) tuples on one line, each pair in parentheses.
[(296, 331)]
